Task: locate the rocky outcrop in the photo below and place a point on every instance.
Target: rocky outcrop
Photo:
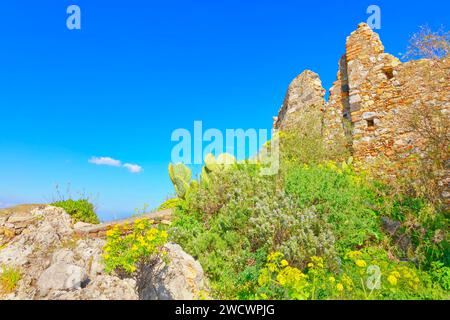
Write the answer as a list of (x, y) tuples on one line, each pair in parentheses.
[(181, 279), (56, 262), (371, 100), (305, 95)]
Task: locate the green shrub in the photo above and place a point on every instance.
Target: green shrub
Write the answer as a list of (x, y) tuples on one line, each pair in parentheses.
[(323, 219), (80, 210), (278, 223), (303, 142), (212, 225), (340, 197), (170, 204), (425, 226), (441, 275)]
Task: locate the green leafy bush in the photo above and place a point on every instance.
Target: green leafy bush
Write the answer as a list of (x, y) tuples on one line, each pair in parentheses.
[(80, 210), (170, 204), (340, 197), (212, 225), (303, 142), (424, 225), (278, 223), (324, 221), (440, 274)]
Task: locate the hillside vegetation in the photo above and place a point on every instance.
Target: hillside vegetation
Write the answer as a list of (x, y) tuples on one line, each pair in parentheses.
[(319, 229)]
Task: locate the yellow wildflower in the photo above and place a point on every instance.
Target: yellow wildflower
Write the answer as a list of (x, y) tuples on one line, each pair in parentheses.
[(392, 280), (284, 263), (340, 287), (353, 254), (360, 263), (110, 233), (272, 267), (281, 278), (332, 279)]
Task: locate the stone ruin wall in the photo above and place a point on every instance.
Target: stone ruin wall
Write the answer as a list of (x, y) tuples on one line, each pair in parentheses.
[(370, 100)]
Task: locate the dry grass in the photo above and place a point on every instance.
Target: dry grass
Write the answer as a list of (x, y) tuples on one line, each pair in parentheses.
[(9, 279), (20, 208)]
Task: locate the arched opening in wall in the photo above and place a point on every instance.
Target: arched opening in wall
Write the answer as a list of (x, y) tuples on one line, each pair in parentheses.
[(370, 123), (388, 72)]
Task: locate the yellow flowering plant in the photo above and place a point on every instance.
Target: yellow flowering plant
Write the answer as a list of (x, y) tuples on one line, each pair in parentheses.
[(279, 280), (364, 275), (135, 250), (388, 279)]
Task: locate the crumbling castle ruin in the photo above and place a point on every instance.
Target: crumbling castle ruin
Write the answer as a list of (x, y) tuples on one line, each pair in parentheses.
[(370, 100)]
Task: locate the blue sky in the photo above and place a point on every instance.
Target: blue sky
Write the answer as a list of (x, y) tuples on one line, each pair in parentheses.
[(139, 69)]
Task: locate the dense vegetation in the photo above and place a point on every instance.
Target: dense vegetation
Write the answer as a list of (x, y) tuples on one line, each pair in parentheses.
[(321, 229)]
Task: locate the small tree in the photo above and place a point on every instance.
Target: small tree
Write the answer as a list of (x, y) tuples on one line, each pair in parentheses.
[(428, 121), (429, 44)]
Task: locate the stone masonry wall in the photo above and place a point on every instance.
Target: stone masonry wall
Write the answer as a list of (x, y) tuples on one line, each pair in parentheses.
[(371, 98)]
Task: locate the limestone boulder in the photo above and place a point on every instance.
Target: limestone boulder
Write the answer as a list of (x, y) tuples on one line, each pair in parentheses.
[(181, 279)]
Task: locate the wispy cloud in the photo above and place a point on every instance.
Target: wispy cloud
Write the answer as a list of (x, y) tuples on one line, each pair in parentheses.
[(108, 161), (133, 168), (105, 161)]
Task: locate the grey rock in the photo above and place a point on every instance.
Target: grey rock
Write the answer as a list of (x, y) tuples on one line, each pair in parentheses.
[(54, 265), (61, 276), (181, 279), (368, 115), (63, 256)]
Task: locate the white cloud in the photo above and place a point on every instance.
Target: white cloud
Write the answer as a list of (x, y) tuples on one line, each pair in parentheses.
[(105, 161), (133, 168)]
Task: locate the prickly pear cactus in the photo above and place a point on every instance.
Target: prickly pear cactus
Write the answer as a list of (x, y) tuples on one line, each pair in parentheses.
[(222, 162), (211, 163), (181, 178), (225, 160)]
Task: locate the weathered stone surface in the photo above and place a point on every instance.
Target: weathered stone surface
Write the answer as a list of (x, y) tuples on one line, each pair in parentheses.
[(55, 263), (99, 230), (61, 276), (371, 99), (103, 287), (305, 94), (181, 279)]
